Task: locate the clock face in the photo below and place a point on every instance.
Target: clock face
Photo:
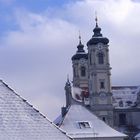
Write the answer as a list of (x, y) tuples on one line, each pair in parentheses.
[(103, 95), (82, 61), (100, 46)]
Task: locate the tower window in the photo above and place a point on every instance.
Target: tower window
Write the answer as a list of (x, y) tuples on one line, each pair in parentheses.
[(74, 72), (83, 71), (100, 58), (90, 59), (122, 119), (102, 85)]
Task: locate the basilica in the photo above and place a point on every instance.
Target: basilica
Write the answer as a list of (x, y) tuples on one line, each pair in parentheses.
[(117, 106)]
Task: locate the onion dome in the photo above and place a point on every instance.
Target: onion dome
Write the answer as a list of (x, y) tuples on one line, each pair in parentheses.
[(97, 37), (80, 52)]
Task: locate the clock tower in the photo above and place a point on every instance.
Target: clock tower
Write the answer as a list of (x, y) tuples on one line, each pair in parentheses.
[(80, 67), (99, 76)]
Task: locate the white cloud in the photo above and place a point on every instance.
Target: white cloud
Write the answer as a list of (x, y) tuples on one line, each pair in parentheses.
[(117, 11), (38, 31), (35, 59)]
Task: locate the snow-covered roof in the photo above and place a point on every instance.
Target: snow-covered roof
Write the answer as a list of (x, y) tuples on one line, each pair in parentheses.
[(125, 97), (81, 123), (138, 135), (77, 94), (20, 121)]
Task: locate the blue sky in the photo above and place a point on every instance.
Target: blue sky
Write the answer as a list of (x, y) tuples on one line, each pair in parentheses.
[(8, 8), (39, 37)]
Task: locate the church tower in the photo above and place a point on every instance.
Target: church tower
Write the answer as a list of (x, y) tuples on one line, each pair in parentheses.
[(99, 76), (68, 93), (80, 67)]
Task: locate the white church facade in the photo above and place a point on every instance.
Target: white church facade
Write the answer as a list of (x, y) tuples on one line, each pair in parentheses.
[(117, 106)]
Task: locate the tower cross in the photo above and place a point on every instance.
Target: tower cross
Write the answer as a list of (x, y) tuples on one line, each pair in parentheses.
[(96, 19)]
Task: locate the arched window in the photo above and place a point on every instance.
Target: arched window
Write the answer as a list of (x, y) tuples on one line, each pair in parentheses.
[(83, 71), (102, 85), (100, 58), (90, 59)]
